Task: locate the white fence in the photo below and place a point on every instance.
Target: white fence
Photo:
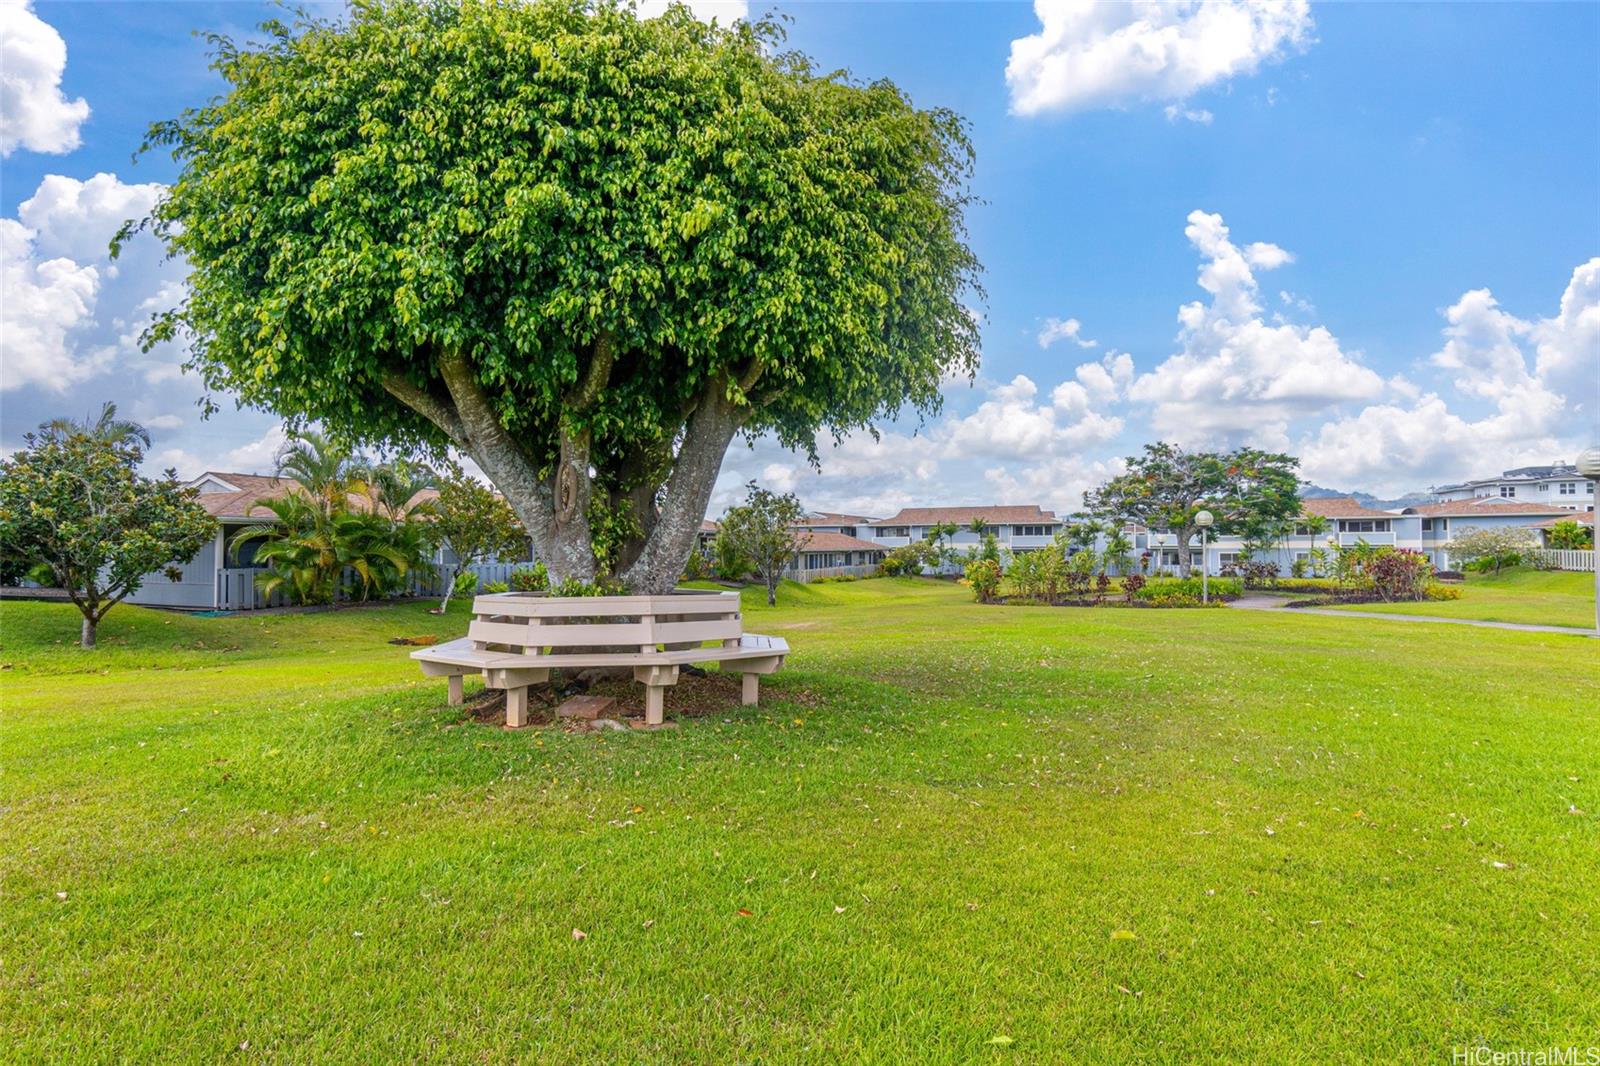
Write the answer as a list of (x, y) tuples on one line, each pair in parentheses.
[(237, 591), (1564, 559)]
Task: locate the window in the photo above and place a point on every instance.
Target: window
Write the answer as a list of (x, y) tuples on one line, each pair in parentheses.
[(1364, 525), (1545, 487), (1508, 490), (1034, 531), (1228, 558), (893, 531), (1569, 488), (1302, 555)]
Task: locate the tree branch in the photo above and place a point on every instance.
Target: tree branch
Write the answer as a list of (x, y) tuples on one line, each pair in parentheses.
[(603, 354), (436, 411)]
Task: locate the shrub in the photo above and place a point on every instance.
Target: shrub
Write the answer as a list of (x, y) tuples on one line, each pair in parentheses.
[(1131, 586), (535, 578), (496, 586), (1399, 574), (1221, 588), (1436, 591), (466, 583), (1491, 549), (1300, 568), (984, 577), (698, 567), (605, 586), (1570, 535), (1307, 584), (909, 560)]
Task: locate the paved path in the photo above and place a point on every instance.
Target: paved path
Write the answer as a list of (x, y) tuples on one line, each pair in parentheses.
[(1273, 603)]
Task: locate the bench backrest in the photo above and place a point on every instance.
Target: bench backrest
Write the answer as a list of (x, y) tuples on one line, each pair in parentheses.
[(529, 623)]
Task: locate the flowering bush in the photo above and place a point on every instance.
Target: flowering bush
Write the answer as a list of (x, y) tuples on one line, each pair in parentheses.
[(1399, 574), (1131, 586), (535, 578)]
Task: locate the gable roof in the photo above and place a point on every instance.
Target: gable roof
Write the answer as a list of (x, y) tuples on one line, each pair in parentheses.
[(994, 515), (833, 542), (1340, 507), (241, 503), (833, 518), (1583, 518), (1483, 505)]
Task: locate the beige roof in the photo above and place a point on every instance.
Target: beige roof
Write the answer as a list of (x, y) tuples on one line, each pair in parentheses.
[(1583, 518), (708, 526), (1484, 505), (834, 542), (1340, 507), (252, 487), (995, 515)]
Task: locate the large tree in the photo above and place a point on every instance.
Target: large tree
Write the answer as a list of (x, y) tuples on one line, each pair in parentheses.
[(73, 499), (586, 249), (1245, 490)]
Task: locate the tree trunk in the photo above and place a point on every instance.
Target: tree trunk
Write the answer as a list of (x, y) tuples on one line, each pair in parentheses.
[(1184, 569), (772, 592), (86, 634)]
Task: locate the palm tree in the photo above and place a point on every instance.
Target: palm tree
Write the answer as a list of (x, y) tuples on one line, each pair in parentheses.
[(328, 471), (392, 486), (978, 525), (108, 427)]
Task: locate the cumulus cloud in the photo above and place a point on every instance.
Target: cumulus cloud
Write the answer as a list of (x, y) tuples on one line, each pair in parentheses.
[(1090, 55), (70, 312), (723, 11), (1190, 114), (1237, 377), (1056, 329), (1537, 379), (1014, 424), (33, 112)]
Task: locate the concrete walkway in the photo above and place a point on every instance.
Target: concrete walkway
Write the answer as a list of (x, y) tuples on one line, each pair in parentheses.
[(1258, 602)]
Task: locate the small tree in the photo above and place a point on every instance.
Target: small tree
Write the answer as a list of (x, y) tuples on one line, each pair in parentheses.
[(1570, 535), (475, 523), (762, 530), (1492, 548), (984, 577), (74, 501)]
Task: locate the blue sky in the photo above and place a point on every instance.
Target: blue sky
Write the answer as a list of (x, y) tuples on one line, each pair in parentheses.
[(1366, 234)]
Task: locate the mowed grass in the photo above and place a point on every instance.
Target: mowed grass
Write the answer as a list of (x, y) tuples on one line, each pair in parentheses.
[(930, 843), (1521, 594)]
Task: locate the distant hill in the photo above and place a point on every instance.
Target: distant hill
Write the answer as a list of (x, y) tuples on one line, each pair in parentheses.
[(1366, 499)]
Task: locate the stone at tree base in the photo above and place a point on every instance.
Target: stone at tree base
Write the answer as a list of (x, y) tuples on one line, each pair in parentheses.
[(608, 723), (586, 707)]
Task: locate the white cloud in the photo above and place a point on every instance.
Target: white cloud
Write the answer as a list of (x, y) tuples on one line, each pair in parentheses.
[(69, 312), (1090, 55), (1538, 378), (723, 11), (259, 455), (33, 113), (1191, 114), (1055, 329), (1012, 424), (45, 302), (1236, 377)]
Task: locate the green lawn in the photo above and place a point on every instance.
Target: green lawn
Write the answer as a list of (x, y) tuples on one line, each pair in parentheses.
[(1327, 841), (1522, 594)]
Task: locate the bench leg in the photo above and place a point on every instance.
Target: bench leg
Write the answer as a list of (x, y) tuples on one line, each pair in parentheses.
[(457, 690), (516, 707), (750, 689), (655, 704)]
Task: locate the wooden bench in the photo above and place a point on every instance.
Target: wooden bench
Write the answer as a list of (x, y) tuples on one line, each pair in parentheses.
[(516, 639)]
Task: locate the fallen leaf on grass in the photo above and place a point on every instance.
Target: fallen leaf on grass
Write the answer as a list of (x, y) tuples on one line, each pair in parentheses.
[(638, 810), (61, 895), (1001, 1041), (579, 934), (743, 913), (838, 910), (1124, 934), (648, 922)]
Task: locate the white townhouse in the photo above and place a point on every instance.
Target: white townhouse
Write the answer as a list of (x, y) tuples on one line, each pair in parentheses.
[(1341, 521), (1017, 527), (1557, 485)]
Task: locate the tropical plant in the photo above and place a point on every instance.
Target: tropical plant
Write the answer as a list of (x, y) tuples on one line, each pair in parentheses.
[(586, 248), (1118, 553), (909, 560), (106, 428), (765, 530), (984, 577), (1399, 574), (72, 500), (535, 578), (1570, 535)]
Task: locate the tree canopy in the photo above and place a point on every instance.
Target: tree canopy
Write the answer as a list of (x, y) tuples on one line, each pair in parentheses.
[(1246, 490), (765, 530), (584, 248), (73, 499)]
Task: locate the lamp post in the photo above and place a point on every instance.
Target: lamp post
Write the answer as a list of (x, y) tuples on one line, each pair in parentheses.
[(1589, 467), (1203, 519)]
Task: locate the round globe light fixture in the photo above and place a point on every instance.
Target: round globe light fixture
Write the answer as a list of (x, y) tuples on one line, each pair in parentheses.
[(1589, 463), (1205, 519)]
